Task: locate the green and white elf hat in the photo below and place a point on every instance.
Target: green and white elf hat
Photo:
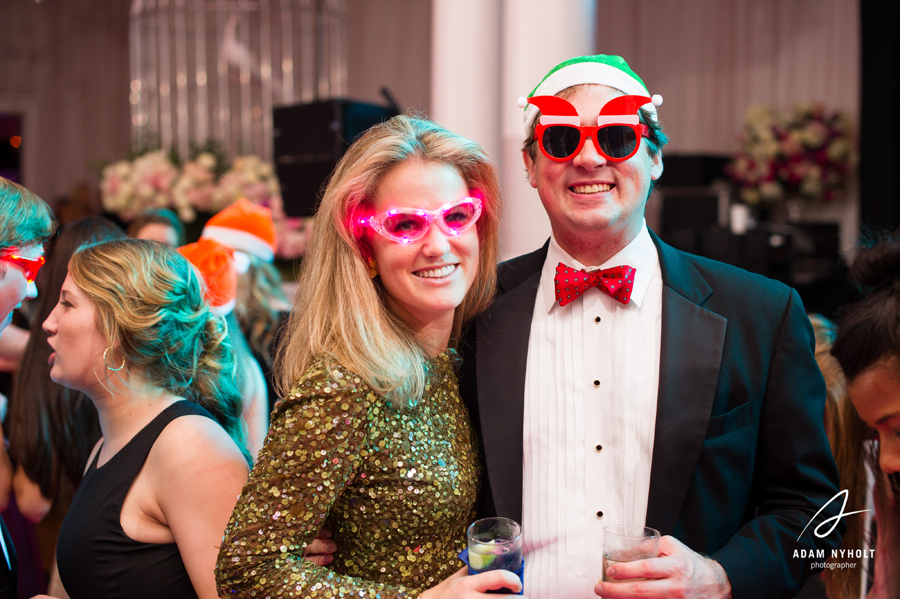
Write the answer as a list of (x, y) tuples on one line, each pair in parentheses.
[(602, 69)]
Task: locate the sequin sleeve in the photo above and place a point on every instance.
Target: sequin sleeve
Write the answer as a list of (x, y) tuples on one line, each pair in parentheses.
[(311, 453)]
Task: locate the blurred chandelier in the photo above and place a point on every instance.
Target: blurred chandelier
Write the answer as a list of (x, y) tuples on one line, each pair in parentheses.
[(211, 70)]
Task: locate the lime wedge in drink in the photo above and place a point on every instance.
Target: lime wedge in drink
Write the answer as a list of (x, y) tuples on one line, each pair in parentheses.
[(481, 562)]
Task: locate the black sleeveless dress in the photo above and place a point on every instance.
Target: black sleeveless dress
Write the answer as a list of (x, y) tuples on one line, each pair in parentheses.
[(97, 560)]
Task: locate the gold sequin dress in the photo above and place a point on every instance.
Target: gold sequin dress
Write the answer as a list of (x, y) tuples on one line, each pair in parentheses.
[(397, 487)]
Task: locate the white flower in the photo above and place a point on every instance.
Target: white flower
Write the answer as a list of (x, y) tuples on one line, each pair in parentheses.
[(771, 190), (840, 149), (750, 195), (207, 161), (811, 185), (249, 177)]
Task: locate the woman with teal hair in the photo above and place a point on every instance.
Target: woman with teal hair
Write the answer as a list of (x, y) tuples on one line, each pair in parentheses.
[(132, 331)]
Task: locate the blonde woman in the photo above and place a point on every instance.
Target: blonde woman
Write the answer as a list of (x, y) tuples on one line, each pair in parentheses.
[(133, 332), (373, 441)]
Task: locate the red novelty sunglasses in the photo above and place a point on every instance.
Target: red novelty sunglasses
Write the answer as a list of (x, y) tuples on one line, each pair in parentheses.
[(29, 266), (615, 141)]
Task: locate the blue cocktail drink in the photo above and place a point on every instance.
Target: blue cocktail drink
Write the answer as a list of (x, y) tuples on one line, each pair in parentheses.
[(495, 544)]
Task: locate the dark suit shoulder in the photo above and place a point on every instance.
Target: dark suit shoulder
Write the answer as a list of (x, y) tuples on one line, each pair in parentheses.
[(513, 272), (717, 285), (729, 278)]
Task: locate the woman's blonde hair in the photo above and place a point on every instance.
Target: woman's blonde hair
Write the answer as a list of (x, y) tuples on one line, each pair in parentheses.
[(150, 307), (848, 436), (340, 312)]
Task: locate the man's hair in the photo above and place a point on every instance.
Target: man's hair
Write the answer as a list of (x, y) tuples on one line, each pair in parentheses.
[(157, 216), (340, 312), (24, 218), (655, 142)]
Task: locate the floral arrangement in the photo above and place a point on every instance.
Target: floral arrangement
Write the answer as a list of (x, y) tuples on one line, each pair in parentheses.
[(152, 180), (806, 153), (253, 178), (249, 177), (195, 188), (128, 187)]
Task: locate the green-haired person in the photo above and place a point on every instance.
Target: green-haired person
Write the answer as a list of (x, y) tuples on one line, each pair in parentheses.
[(25, 222)]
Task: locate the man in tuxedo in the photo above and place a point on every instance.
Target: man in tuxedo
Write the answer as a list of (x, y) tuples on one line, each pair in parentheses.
[(618, 381), (25, 222)]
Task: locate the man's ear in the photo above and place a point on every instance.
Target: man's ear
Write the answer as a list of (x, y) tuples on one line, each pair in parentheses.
[(656, 165), (529, 166)]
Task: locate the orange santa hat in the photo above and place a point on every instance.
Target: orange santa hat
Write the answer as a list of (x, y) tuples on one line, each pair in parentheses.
[(246, 228), (216, 264)]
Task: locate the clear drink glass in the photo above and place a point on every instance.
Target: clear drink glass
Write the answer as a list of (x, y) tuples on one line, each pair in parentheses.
[(628, 543), (495, 544)]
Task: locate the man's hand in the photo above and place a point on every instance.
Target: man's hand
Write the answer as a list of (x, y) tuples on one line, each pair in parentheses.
[(677, 573), (321, 550)]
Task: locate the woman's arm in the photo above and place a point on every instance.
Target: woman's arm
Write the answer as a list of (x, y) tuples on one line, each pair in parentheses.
[(256, 404), (197, 472), (6, 469), (312, 452), (31, 502)]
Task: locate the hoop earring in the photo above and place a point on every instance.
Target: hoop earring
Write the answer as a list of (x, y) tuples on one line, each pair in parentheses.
[(373, 268), (105, 361)]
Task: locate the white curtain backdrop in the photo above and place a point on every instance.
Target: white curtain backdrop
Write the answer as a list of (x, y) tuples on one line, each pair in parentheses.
[(713, 59)]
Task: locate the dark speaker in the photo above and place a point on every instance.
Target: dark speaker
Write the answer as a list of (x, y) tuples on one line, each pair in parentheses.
[(309, 139), (693, 169), (690, 208)]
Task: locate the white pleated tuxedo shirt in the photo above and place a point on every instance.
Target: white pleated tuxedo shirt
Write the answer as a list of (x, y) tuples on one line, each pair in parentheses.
[(590, 414)]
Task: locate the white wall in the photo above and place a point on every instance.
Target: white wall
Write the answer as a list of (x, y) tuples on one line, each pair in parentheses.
[(390, 45), (65, 65), (485, 55)]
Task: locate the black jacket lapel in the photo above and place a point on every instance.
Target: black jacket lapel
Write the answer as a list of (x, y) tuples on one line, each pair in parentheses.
[(691, 353), (502, 356)]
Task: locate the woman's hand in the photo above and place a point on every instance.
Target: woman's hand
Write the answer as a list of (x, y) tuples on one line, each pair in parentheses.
[(463, 586), (320, 550)]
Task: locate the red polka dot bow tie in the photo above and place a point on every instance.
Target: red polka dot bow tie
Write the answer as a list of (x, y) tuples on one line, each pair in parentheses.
[(615, 282)]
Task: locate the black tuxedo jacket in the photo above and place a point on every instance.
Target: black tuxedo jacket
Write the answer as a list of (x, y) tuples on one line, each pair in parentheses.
[(741, 462)]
